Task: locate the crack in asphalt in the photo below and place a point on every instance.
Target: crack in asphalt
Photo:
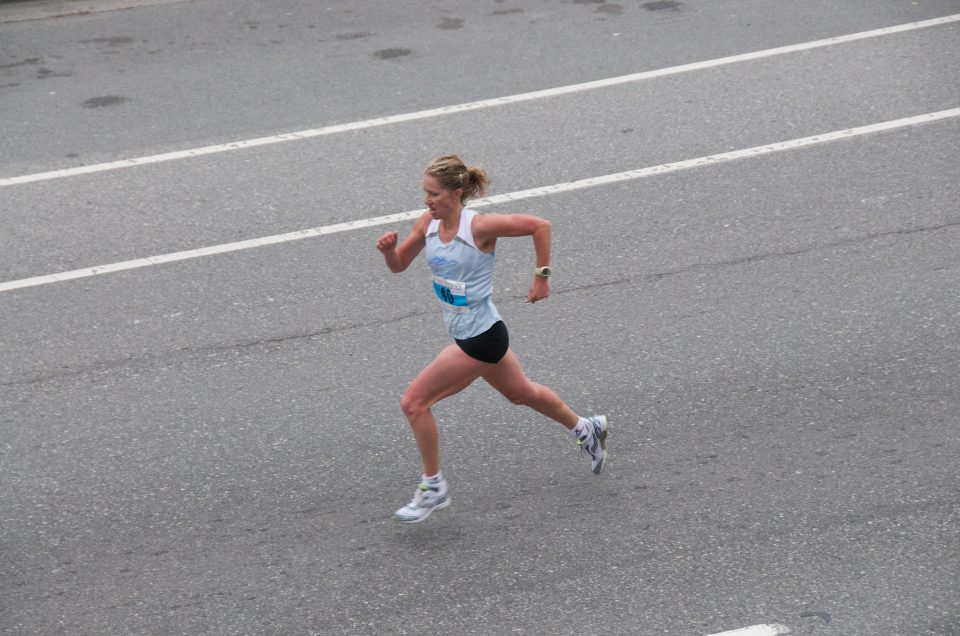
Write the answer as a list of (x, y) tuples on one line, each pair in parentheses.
[(699, 267), (106, 366), (115, 364)]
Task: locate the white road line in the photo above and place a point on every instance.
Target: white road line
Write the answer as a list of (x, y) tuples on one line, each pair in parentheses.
[(460, 108), (757, 630), (43, 9), (592, 182)]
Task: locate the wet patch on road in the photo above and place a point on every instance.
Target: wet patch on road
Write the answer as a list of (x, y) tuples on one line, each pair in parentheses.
[(30, 61), (389, 54), (824, 616), (45, 73), (662, 5), (112, 41), (104, 101), (450, 24), (353, 36), (610, 9)]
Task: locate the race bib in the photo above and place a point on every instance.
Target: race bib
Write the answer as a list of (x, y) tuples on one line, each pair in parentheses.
[(452, 294)]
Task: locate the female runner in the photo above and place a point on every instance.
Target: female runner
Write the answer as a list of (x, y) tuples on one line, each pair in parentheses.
[(460, 251)]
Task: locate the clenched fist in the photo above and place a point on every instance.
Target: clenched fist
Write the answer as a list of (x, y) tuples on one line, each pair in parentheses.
[(388, 241)]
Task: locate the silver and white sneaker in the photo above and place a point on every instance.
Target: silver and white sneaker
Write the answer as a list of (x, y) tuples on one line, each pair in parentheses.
[(594, 442), (424, 501)]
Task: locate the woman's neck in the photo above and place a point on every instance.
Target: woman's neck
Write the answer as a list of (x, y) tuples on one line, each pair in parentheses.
[(453, 220)]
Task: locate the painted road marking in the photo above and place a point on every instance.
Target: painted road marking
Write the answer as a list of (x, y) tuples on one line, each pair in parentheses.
[(592, 182), (757, 630), (43, 9), (460, 108)]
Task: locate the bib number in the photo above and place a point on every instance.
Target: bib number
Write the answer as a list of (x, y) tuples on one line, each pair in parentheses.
[(452, 294)]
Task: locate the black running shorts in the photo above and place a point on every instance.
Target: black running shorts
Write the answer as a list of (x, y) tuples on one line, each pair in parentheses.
[(490, 346)]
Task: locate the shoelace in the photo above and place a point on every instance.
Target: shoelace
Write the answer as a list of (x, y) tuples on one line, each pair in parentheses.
[(422, 490), (586, 446)]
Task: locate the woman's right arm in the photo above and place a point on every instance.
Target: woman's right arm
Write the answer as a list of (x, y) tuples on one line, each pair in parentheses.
[(398, 258)]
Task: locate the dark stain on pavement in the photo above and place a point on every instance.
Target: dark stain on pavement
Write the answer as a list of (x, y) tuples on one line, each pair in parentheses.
[(114, 41), (45, 73), (662, 5), (389, 54), (824, 616), (610, 9), (30, 61), (353, 36), (450, 24), (105, 100), (506, 11)]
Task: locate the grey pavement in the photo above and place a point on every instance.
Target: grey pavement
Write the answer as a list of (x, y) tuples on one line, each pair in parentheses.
[(215, 446)]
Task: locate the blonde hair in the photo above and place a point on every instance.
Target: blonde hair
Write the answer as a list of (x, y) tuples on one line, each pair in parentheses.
[(452, 174)]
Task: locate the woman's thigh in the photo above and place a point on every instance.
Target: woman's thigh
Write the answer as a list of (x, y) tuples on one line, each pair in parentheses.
[(450, 372), (508, 377)]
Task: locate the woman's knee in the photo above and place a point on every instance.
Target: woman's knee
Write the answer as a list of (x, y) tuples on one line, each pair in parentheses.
[(412, 405)]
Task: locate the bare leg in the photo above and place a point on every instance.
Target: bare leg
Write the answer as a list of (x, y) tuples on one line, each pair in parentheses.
[(508, 378), (450, 372)]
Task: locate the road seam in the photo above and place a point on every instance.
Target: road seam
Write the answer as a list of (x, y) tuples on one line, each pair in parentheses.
[(757, 630)]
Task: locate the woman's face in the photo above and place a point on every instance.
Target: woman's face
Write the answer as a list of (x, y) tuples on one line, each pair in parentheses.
[(439, 200)]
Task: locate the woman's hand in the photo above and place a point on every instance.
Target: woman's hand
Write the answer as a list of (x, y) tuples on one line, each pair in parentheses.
[(388, 241), (539, 289), (397, 255)]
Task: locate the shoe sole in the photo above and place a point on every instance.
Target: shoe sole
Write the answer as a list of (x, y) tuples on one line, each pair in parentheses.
[(440, 506), (602, 438)]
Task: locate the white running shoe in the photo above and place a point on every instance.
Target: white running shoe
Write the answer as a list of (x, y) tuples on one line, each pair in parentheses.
[(594, 442), (425, 501)]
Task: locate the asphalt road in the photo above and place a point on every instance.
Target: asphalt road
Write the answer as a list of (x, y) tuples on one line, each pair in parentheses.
[(215, 446)]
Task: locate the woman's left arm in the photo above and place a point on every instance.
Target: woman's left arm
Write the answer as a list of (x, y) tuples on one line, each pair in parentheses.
[(488, 227)]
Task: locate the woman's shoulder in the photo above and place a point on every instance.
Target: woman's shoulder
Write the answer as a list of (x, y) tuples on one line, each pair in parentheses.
[(421, 225), (482, 239)]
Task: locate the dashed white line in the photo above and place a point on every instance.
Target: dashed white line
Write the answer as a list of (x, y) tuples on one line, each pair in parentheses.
[(592, 182), (460, 108), (757, 630)]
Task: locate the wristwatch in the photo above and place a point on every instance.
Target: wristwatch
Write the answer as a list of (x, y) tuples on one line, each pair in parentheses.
[(543, 272)]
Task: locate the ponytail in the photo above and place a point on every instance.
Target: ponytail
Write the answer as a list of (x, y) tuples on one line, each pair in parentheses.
[(453, 174)]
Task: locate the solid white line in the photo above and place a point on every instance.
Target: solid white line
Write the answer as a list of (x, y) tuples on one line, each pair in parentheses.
[(460, 108), (592, 182), (757, 630), (44, 9)]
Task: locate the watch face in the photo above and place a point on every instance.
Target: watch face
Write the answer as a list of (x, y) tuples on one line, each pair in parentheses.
[(544, 272)]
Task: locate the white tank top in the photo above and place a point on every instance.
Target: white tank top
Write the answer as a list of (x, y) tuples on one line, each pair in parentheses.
[(462, 279)]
